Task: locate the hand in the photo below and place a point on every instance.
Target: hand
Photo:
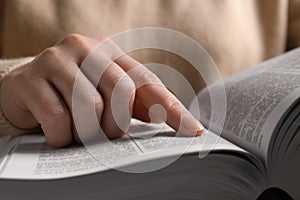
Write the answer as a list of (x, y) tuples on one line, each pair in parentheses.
[(41, 93)]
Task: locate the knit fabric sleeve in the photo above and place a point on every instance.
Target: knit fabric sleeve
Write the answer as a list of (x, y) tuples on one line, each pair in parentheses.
[(7, 65)]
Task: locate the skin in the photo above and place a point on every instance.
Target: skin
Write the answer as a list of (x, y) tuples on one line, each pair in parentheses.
[(40, 93)]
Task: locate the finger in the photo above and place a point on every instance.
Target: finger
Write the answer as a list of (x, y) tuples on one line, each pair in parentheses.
[(66, 76), (178, 117), (118, 91), (114, 125), (76, 47), (49, 109), (142, 113), (12, 105)]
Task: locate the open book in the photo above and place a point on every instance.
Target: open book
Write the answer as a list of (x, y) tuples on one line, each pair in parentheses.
[(259, 148)]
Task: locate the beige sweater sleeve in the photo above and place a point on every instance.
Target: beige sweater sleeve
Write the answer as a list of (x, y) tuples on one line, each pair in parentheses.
[(7, 128)]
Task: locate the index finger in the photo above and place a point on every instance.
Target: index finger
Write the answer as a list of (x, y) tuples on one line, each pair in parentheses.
[(154, 92)]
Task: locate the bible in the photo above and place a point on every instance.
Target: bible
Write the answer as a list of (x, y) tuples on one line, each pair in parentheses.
[(258, 149)]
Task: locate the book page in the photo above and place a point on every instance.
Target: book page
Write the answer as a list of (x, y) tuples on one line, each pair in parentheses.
[(256, 100), (32, 158)]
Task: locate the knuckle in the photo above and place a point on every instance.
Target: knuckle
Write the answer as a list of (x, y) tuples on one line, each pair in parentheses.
[(51, 53), (99, 106), (171, 103), (49, 61), (144, 76), (123, 81), (90, 98), (111, 45), (56, 113), (74, 38), (82, 43)]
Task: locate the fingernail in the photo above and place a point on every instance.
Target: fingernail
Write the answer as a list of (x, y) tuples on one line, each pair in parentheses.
[(200, 129), (192, 126)]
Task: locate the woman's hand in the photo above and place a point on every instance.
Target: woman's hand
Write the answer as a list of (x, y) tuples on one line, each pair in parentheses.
[(41, 93)]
